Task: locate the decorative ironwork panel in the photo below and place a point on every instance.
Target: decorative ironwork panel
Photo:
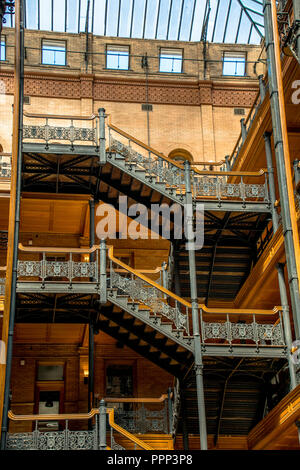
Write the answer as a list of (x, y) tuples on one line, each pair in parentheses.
[(82, 440), (21, 441), (5, 166), (205, 186), (57, 269), (51, 440), (242, 331), (71, 133), (255, 191), (152, 164), (30, 268), (2, 286), (114, 445), (83, 269), (143, 420), (214, 330), (230, 190), (151, 297), (271, 333)]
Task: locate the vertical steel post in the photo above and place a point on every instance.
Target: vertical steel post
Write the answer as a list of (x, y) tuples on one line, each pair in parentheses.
[(195, 313), (243, 130), (91, 367), (185, 432), (296, 171), (103, 279), (170, 409), (272, 193), (15, 228), (102, 425), (262, 88), (287, 202), (92, 227), (227, 163), (286, 323), (102, 142)]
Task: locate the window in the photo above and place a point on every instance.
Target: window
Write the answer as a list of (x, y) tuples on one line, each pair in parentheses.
[(50, 372), (117, 57), (170, 60), (53, 52), (234, 64), (180, 155), (3, 49)]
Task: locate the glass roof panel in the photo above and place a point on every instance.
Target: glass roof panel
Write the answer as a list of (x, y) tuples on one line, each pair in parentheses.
[(228, 20)]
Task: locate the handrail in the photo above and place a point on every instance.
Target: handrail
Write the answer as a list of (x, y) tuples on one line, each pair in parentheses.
[(61, 116), (161, 399), (53, 417), (128, 435), (261, 172), (145, 146), (145, 278), (139, 274)]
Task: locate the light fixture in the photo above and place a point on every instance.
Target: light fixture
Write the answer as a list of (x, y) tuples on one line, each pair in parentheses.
[(85, 376)]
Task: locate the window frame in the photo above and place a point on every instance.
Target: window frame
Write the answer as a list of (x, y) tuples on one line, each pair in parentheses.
[(237, 54), (106, 55), (3, 38), (59, 41), (181, 49)]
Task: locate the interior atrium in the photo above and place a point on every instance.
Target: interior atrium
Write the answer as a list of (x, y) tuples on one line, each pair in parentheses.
[(149, 225)]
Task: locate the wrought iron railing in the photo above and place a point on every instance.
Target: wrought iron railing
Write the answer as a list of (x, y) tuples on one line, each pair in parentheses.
[(143, 290), (142, 419), (205, 183), (232, 329), (5, 165), (48, 129), (94, 439)]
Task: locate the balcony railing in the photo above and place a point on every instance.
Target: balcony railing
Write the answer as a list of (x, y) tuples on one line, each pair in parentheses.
[(5, 165), (66, 439)]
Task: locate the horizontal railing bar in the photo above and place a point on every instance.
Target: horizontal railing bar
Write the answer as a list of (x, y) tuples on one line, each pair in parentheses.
[(61, 116), (161, 399), (51, 249), (145, 146), (53, 417), (261, 172)]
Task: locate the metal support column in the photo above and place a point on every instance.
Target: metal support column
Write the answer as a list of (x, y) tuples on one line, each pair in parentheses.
[(102, 142), (103, 277), (272, 193), (286, 191), (91, 367), (14, 225), (296, 171), (262, 88), (102, 425), (92, 227), (185, 432), (195, 311), (170, 410), (243, 130), (286, 323)]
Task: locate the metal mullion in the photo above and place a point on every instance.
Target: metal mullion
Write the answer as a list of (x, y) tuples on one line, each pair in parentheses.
[(249, 17), (157, 18), (216, 17), (105, 18), (93, 14), (250, 32), (193, 17), (52, 6), (180, 21), (227, 18), (66, 15), (145, 16), (79, 11), (169, 18), (119, 15), (39, 12), (238, 27), (132, 13)]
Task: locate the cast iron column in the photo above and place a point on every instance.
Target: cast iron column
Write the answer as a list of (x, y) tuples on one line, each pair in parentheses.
[(267, 137), (195, 310)]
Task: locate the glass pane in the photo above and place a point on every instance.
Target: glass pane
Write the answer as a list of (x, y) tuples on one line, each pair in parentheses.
[(59, 14), (32, 14), (234, 66), (119, 381), (72, 16), (117, 59), (55, 372), (54, 54), (45, 15), (170, 62), (2, 50)]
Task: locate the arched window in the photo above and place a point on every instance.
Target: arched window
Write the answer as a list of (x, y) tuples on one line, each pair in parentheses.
[(180, 155)]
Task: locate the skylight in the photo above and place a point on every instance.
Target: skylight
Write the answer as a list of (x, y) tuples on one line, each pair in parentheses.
[(227, 21)]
